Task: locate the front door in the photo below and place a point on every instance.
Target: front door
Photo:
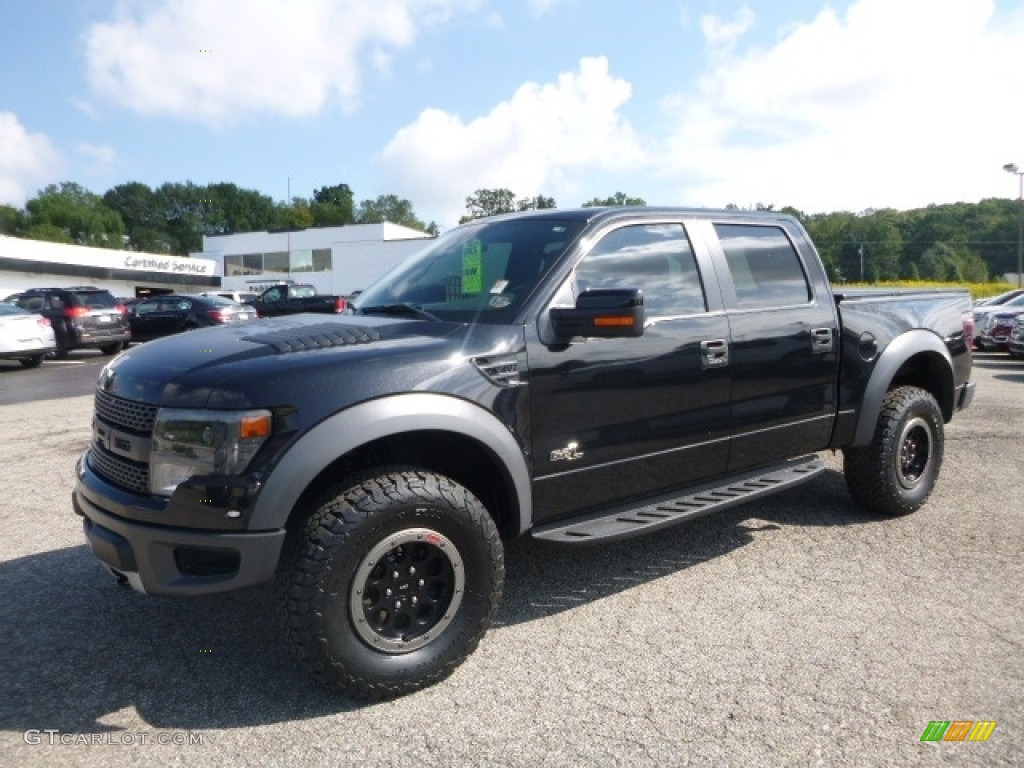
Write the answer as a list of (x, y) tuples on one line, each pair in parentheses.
[(616, 419)]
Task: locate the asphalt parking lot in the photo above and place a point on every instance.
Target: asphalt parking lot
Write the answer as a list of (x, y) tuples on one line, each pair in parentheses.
[(792, 631)]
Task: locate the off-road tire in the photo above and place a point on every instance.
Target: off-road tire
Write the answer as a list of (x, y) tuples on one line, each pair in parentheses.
[(362, 539), (896, 473)]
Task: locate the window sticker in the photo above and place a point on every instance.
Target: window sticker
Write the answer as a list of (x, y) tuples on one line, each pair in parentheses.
[(499, 286), (472, 267), (497, 302)]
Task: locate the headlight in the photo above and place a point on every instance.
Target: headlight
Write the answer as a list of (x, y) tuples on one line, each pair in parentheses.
[(198, 442)]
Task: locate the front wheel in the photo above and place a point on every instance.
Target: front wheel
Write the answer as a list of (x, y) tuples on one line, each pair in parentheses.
[(391, 582), (896, 473)]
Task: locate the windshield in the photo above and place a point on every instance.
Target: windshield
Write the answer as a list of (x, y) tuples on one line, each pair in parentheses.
[(481, 272)]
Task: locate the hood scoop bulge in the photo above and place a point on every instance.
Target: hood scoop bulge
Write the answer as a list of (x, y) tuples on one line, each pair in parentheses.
[(311, 337)]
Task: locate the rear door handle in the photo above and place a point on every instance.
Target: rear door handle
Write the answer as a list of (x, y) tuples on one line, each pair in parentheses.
[(821, 340), (714, 353)]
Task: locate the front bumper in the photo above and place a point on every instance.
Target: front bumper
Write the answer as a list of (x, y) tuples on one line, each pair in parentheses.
[(166, 560)]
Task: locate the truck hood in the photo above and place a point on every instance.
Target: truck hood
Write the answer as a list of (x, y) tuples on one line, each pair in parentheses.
[(272, 362)]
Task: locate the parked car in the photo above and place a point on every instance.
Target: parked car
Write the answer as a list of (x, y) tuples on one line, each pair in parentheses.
[(982, 312), (993, 330), (83, 317), (24, 336), (1002, 298), (173, 313), (1015, 341), (240, 296), (290, 299)]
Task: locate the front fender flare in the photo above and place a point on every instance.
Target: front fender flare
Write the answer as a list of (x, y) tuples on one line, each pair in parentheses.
[(898, 352), (361, 424)]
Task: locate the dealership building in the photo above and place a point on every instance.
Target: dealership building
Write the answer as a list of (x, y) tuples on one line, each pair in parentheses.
[(28, 264), (337, 260)]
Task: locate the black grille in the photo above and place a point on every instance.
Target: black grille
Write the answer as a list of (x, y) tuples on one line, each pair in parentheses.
[(129, 416), (125, 414), (120, 472)]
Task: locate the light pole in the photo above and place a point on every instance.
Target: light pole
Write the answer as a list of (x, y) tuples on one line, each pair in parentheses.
[(1012, 168)]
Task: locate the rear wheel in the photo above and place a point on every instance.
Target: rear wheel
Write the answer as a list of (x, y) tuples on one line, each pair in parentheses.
[(391, 582), (896, 473), (31, 362)]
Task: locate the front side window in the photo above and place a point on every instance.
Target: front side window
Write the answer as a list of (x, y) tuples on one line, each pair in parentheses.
[(656, 258), (481, 272), (764, 265)]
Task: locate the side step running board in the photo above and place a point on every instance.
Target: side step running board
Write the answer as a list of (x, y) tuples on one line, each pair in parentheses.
[(652, 514)]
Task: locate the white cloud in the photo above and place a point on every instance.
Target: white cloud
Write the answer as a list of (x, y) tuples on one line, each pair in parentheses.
[(532, 143), (723, 33), (27, 161), (894, 104), (103, 157), (541, 7), (216, 61)]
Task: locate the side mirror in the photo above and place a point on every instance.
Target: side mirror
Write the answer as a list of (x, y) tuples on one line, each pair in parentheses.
[(610, 313)]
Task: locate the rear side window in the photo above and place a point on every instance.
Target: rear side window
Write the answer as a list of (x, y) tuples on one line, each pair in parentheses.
[(764, 265), (33, 303), (656, 258)]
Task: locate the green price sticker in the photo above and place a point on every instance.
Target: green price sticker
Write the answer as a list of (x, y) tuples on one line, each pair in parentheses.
[(472, 267)]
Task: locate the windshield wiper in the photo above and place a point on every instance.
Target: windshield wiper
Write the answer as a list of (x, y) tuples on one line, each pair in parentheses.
[(399, 309)]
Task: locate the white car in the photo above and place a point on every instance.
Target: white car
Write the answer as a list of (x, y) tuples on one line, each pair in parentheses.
[(239, 296), (25, 336)]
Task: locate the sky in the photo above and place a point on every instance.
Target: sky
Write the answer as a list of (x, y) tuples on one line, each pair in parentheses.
[(847, 105)]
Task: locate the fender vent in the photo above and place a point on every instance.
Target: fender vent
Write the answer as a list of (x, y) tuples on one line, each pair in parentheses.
[(503, 371), (315, 337)]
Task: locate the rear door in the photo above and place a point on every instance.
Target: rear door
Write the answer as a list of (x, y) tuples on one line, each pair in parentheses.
[(784, 342), (144, 314), (616, 419)]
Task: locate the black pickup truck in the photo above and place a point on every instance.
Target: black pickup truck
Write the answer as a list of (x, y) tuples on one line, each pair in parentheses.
[(289, 299), (579, 376)]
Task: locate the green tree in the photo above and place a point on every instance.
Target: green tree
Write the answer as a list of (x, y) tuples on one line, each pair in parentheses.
[(142, 214), (391, 208), (878, 233), (831, 233), (12, 221), (227, 210), (294, 215), (79, 214), (489, 202), (182, 208), (537, 203), (619, 198), (333, 206)]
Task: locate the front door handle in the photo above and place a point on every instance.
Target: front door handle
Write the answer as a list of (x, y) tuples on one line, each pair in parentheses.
[(714, 353)]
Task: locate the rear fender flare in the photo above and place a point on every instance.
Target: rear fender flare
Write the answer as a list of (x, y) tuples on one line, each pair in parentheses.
[(361, 424), (898, 352)]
